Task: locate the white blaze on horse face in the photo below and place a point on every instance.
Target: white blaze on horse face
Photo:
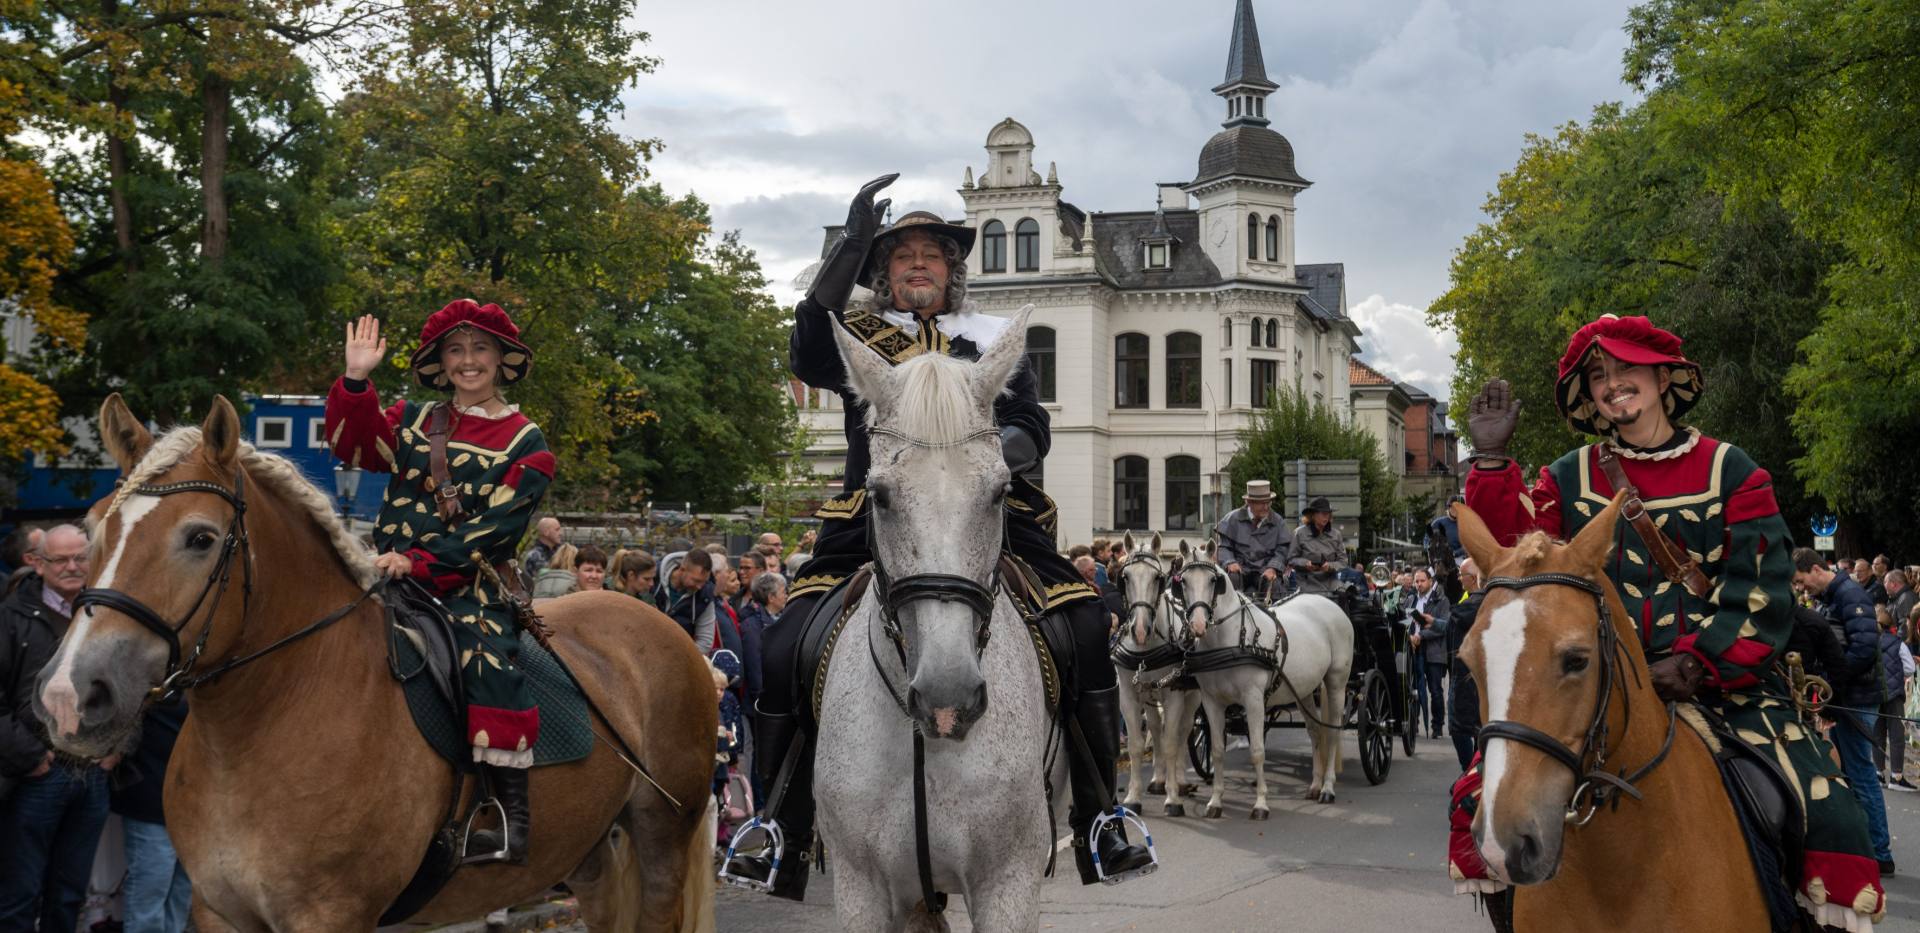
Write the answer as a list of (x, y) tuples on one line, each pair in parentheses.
[(61, 699), (1501, 644)]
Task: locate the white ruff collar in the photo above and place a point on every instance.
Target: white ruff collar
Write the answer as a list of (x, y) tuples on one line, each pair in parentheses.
[(970, 323), (480, 411), (1692, 441)]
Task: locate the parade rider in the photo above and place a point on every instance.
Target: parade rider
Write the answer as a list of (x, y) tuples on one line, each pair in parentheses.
[(1252, 541), (1317, 553), (916, 271), (1716, 641), (467, 475)]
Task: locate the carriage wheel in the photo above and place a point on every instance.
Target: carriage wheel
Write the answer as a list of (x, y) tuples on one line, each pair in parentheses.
[(1410, 728), (1374, 714), (1200, 747)]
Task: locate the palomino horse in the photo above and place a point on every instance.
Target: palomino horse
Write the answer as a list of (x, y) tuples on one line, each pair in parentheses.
[(1149, 648), (1559, 662), (300, 795), (1308, 648), (935, 663)]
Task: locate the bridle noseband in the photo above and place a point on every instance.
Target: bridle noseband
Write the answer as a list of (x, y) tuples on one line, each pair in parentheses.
[(1177, 596), (1159, 590), (1591, 779), (897, 593)]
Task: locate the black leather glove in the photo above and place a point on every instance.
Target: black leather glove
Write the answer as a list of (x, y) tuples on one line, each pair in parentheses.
[(1019, 450), (841, 269), (1676, 678), (1491, 419)]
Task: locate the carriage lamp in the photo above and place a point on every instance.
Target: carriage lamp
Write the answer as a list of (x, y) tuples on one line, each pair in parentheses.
[(346, 485)]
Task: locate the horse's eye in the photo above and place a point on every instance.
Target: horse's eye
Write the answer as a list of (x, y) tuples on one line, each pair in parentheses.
[(1573, 663), (201, 541), (880, 498)]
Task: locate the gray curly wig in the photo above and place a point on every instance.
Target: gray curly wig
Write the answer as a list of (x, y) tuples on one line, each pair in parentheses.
[(956, 270)]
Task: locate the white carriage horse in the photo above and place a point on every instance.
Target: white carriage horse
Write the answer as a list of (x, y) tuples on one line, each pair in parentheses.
[(1148, 649), (1258, 657)]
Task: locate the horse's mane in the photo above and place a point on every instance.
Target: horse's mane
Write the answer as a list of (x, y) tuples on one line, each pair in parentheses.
[(934, 399), (276, 473)]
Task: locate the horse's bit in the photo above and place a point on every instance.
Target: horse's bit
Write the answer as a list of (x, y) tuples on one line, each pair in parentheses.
[(179, 676), (1591, 781)]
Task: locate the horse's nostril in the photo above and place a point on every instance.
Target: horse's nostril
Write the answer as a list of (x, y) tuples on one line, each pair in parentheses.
[(98, 701), (979, 699), (1526, 850)]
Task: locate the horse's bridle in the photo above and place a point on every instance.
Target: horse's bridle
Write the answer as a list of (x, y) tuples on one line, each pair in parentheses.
[(1161, 585), (1177, 597), (180, 676), (1591, 779), (897, 593)]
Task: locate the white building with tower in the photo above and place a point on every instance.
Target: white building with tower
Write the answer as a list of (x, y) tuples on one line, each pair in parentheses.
[(1157, 334)]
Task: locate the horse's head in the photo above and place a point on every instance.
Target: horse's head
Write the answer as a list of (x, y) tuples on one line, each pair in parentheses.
[(1143, 580), (1544, 662), (1203, 590), (156, 552), (936, 488)]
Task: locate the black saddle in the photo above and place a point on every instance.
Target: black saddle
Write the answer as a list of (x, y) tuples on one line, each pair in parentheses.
[(1772, 818)]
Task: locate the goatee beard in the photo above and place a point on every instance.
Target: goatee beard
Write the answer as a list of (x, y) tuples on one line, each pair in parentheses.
[(918, 298)]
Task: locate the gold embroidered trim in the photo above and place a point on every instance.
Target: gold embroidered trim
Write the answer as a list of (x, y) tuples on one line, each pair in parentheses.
[(846, 506), (826, 657), (886, 339), (818, 583), (1060, 594)]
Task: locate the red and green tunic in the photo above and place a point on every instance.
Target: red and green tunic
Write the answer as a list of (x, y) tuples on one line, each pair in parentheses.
[(502, 468), (1715, 501)]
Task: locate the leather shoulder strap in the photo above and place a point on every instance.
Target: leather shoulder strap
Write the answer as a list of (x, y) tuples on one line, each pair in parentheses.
[(446, 495), (1678, 565)]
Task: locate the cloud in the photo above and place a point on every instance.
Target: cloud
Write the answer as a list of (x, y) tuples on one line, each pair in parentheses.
[(1396, 340)]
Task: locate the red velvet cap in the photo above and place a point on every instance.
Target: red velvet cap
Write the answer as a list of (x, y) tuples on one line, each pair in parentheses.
[(1632, 340), (515, 358)]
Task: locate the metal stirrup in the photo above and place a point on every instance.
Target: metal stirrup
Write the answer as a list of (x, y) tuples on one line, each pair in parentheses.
[(1124, 816), (466, 836), (777, 845)]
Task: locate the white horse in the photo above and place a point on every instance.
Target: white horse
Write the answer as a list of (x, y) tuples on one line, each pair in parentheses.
[(1315, 654), (934, 646), (1149, 649)]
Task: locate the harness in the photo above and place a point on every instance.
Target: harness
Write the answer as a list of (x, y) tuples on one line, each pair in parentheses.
[(180, 675), (1166, 653), (1592, 781)]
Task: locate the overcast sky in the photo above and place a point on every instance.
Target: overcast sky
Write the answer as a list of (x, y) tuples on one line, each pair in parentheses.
[(1403, 113)]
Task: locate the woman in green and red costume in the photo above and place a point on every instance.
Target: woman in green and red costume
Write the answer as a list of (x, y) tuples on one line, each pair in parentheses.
[(1625, 380), (498, 468)]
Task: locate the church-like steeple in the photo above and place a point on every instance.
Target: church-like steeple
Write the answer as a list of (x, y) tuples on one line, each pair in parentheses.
[(1246, 86)]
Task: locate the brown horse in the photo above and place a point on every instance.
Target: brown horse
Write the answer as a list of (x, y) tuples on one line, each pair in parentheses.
[(1673, 860), (300, 796)]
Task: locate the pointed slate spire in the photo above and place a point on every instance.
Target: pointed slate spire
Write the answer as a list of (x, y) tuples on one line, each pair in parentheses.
[(1244, 63)]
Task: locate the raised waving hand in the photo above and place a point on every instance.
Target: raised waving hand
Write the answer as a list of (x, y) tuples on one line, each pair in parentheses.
[(365, 347)]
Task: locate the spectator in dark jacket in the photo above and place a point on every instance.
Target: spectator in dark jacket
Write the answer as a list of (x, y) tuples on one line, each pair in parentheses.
[(1848, 607), (1463, 701), (764, 605), (157, 889), (683, 594)]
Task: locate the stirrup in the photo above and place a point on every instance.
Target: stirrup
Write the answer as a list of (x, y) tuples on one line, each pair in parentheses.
[(1125, 817), (776, 846), (505, 851)]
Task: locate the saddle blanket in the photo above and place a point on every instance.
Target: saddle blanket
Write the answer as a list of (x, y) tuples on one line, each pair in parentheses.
[(565, 733)]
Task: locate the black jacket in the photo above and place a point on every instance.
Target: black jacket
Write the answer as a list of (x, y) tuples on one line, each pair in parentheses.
[(138, 781), (29, 633), (1848, 608), (815, 358)]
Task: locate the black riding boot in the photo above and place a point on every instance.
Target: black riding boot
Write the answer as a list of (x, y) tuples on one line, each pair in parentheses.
[(1090, 770), (788, 816), (509, 787)]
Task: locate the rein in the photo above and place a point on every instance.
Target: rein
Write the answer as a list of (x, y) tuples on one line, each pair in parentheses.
[(1592, 781), (180, 676)]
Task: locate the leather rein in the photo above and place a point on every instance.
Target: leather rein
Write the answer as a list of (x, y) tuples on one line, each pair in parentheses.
[(180, 675), (1594, 785)]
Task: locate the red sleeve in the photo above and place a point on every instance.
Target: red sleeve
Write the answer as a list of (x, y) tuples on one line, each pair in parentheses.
[(359, 433), (1508, 507)]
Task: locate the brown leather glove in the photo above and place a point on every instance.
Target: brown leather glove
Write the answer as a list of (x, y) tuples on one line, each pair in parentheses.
[(1491, 418), (1676, 678)]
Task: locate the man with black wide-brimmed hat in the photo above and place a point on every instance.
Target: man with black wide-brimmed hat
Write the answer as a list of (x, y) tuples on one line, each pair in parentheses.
[(1317, 553), (916, 270)]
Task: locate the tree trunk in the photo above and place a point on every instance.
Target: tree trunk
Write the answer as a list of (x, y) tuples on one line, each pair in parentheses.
[(216, 97), (117, 158)]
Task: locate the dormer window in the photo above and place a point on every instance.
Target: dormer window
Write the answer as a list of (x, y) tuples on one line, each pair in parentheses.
[(1156, 255)]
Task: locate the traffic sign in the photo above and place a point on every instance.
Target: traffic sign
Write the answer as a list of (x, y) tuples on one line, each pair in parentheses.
[(1825, 525), (1823, 542)]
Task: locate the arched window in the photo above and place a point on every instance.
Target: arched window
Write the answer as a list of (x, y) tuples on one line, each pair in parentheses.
[(1040, 360), (1253, 333), (1273, 332), (1183, 370), (993, 247), (1131, 366), (1130, 493), (1183, 493), (1273, 238), (1253, 236), (1226, 334), (1026, 246)]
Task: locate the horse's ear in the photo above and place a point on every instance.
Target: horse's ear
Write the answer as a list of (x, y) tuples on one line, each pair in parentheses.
[(1155, 545), (1127, 539), (1594, 543), (867, 374), (1206, 549), (1476, 537), (1186, 550), (124, 437), (220, 433), (996, 366)]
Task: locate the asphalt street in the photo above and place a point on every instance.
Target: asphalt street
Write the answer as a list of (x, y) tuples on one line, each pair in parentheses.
[(1375, 860)]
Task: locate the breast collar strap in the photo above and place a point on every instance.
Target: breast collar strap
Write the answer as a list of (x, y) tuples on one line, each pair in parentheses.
[(1594, 786)]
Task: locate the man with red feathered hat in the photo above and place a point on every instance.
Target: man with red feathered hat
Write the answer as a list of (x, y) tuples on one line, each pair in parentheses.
[(1713, 610), (468, 476)]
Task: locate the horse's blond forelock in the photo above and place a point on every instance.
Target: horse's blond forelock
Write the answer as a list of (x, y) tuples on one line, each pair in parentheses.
[(276, 473)]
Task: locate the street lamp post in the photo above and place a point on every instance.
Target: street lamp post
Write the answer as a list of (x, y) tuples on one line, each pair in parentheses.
[(346, 486)]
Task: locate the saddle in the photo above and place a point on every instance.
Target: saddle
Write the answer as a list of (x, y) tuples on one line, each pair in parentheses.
[(1772, 818), (820, 632)]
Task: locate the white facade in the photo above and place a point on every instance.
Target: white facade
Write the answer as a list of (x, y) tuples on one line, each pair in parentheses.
[(1194, 275)]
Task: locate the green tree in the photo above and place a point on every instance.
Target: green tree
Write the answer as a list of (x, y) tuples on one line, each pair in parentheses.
[(1294, 427)]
